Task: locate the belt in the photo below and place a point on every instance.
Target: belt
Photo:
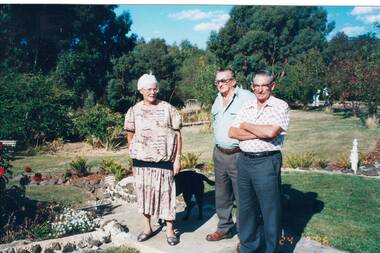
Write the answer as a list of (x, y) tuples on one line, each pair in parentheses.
[(161, 165), (261, 154), (228, 151)]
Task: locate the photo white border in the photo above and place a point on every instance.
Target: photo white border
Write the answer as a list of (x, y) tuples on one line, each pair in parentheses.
[(207, 2)]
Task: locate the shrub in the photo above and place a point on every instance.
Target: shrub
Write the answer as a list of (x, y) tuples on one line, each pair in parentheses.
[(54, 146), (110, 166), (99, 123), (344, 161), (5, 169), (189, 160), (364, 159), (33, 108), (25, 218), (12, 199), (303, 160), (42, 232), (80, 166), (67, 173), (94, 142), (113, 138), (321, 163)]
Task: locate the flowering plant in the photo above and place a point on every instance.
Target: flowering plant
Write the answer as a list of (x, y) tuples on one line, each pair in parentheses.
[(2, 171), (72, 221), (37, 177)]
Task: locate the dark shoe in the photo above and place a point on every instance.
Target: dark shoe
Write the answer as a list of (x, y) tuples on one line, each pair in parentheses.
[(143, 236), (172, 240), (216, 236)]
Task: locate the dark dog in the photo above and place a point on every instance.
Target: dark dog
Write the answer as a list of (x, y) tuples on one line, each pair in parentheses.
[(190, 183)]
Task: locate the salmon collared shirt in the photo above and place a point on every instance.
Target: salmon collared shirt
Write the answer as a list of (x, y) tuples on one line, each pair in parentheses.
[(275, 112)]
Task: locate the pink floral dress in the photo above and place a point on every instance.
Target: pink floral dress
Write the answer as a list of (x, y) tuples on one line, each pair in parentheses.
[(154, 140)]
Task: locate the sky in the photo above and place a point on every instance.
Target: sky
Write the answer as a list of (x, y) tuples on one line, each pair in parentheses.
[(175, 23)]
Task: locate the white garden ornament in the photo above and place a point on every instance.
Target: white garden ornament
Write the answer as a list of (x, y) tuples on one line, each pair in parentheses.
[(354, 157)]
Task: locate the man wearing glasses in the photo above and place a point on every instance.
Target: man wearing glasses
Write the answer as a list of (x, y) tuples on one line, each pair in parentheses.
[(224, 110), (260, 126)]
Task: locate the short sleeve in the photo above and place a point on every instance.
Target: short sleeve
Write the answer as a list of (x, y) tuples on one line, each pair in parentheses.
[(175, 118), (129, 121), (281, 118)]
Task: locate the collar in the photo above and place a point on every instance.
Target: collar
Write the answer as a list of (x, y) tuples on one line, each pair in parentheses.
[(270, 102), (235, 93)]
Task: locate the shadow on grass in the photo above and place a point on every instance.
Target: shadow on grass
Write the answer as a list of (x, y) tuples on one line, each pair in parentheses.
[(298, 208)]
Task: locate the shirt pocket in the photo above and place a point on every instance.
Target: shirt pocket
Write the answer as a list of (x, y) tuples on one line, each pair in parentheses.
[(233, 113), (214, 116)]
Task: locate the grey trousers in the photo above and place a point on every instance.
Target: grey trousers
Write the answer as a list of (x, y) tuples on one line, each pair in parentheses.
[(226, 189), (260, 203)]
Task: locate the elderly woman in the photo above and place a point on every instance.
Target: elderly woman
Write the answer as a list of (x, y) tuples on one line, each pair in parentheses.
[(154, 138)]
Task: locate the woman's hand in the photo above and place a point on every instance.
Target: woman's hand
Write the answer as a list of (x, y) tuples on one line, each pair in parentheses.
[(176, 165)]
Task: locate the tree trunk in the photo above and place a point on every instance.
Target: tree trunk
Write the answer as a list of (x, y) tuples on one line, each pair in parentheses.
[(372, 120)]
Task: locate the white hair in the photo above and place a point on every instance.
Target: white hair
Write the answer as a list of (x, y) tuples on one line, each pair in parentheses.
[(147, 81)]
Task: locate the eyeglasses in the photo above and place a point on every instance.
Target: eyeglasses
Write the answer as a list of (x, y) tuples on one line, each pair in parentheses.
[(222, 81), (263, 86), (154, 90)]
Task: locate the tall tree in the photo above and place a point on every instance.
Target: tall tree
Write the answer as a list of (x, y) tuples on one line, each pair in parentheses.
[(34, 108), (154, 56), (272, 37), (303, 78), (76, 41), (354, 70)]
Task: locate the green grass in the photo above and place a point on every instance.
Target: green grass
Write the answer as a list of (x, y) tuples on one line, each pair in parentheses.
[(123, 249), (342, 210), (198, 141), (67, 195), (56, 164), (326, 135), (350, 216)]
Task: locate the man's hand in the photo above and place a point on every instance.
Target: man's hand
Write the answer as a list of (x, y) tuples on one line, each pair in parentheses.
[(240, 134), (261, 131)]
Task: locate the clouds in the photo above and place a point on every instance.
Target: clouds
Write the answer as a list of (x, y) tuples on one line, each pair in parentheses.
[(363, 10), (365, 17), (353, 30), (368, 15), (212, 20)]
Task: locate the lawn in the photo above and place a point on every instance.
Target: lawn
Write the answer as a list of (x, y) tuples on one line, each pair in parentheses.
[(121, 250), (342, 209), (327, 135), (65, 194)]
